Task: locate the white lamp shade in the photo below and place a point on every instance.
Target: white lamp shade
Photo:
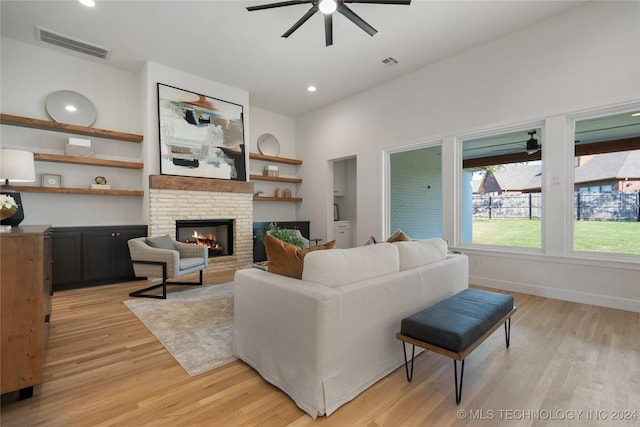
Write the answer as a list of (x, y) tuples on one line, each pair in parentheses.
[(17, 166)]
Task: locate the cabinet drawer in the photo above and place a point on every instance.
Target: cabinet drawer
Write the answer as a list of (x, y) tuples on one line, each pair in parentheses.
[(342, 225)]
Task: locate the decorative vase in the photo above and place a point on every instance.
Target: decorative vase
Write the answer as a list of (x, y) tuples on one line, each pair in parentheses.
[(8, 212), (9, 216)]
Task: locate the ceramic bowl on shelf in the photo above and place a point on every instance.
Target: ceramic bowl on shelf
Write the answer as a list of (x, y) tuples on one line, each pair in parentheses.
[(268, 145)]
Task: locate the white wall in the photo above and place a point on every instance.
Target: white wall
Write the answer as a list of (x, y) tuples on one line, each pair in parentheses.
[(283, 128), (31, 73), (586, 58)]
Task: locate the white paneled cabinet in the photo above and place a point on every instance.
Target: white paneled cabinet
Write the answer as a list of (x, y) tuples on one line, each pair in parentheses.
[(342, 234)]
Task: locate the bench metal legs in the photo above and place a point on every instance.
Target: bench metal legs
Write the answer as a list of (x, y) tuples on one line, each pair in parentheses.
[(409, 371), (455, 377), (507, 331), (406, 365)]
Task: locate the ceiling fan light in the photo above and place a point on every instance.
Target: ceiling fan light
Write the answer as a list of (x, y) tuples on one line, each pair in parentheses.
[(327, 6)]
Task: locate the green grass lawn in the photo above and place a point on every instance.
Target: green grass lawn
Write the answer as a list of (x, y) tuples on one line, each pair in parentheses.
[(595, 236)]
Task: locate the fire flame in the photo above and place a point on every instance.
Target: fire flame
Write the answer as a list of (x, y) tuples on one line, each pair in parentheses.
[(209, 240)]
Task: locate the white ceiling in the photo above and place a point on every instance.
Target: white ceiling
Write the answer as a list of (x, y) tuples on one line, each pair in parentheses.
[(223, 42)]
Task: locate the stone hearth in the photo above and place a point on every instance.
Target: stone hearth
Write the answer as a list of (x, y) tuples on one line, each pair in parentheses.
[(174, 198)]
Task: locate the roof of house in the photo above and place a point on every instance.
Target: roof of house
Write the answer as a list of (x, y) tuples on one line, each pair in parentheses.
[(622, 164), (517, 176)]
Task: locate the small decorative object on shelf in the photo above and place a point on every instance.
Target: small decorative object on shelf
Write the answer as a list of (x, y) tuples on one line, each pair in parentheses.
[(52, 181), (261, 194), (287, 193), (271, 170), (79, 147), (279, 193), (100, 183)]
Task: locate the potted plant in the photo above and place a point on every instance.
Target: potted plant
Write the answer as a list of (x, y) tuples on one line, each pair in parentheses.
[(284, 234)]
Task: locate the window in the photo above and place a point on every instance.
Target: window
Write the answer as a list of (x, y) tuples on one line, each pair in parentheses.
[(607, 184), (501, 195)]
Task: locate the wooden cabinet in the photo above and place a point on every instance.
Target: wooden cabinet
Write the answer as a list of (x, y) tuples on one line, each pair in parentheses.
[(89, 161), (25, 290), (287, 180), (89, 256)]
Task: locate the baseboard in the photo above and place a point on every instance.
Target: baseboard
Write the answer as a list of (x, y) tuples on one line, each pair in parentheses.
[(561, 294)]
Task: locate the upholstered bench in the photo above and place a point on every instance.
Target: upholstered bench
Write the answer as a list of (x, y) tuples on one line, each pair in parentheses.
[(455, 326)]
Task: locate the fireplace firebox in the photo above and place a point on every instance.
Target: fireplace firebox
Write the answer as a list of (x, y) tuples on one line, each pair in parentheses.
[(215, 234)]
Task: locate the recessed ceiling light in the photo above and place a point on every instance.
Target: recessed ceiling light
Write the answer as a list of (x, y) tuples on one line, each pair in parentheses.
[(636, 114), (88, 3), (311, 88)]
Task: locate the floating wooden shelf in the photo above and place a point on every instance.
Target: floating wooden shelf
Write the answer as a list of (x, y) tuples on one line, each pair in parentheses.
[(275, 178), (27, 122), (257, 156), (278, 199), (43, 157), (64, 190)]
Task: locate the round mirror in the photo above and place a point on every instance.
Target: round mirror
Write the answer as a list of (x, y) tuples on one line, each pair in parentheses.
[(268, 145), (71, 108)]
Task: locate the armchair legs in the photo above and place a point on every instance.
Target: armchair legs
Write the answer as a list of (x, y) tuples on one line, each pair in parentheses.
[(143, 293)]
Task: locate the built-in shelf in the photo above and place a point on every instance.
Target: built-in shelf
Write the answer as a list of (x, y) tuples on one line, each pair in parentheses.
[(8, 119), (43, 157), (64, 190), (275, 178), (278, 199), (273, 159), (257, 156)]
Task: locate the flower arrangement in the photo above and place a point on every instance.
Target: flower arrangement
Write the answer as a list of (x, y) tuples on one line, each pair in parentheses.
[(8, 206)]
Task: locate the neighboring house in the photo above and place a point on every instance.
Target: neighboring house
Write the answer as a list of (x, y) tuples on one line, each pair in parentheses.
[(601, 173), (511, 178)]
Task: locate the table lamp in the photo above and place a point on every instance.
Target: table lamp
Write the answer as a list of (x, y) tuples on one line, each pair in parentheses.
[(15, 166)]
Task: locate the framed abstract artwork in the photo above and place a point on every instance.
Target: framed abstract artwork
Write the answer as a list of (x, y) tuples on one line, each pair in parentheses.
[(200, 136)]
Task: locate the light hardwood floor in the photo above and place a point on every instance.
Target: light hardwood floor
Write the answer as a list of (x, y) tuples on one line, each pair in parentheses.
[(103, 368)]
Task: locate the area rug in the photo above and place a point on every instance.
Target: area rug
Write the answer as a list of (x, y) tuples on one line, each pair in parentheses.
[(194, 325)]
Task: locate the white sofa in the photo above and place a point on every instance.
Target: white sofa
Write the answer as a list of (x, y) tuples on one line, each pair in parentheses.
[(328, 337)]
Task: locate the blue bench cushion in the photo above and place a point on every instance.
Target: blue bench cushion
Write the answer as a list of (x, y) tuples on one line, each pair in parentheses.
[(458, 321)]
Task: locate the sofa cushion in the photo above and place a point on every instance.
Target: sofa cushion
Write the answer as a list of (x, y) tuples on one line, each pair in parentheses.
[(161, 242), (421, 252), (287, 259), (341, 266)]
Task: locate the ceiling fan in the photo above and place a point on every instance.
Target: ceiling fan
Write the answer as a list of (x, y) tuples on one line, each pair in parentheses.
[(532, 143), (328, 7)]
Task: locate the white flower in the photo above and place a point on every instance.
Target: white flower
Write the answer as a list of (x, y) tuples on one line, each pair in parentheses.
[(7, 202)]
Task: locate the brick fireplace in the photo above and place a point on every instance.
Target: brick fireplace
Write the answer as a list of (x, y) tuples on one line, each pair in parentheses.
[(176, 198)]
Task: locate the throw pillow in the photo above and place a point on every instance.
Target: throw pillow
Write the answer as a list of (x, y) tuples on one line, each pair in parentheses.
[(161, 242), (287, 259), (398, 236), (371, 241)]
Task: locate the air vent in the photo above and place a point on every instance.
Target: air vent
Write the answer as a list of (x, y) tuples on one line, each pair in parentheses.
[(390, 61), (51, 37)]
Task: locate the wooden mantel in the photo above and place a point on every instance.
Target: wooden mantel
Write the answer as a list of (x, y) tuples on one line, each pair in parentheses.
[(170, 182)]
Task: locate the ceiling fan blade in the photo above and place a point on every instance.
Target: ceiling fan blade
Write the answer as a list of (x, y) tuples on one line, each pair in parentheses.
[(400, 2), (353, 17), (328, 29), (301, 21), (279, 4)]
